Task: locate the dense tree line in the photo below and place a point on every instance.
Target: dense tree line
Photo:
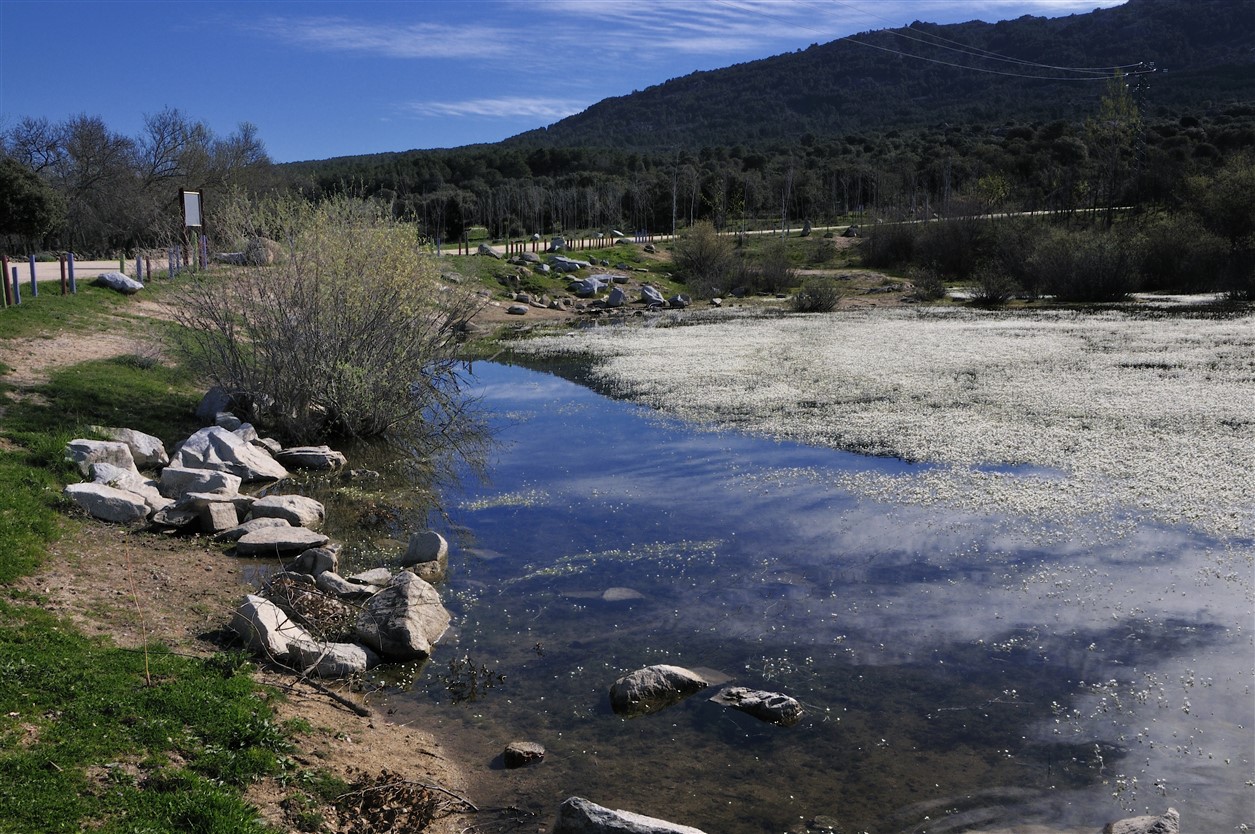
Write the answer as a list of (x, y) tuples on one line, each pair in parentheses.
[(1115, 157), (79, 185)]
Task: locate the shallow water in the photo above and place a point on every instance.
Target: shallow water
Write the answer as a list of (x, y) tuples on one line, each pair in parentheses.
[(960, 672)]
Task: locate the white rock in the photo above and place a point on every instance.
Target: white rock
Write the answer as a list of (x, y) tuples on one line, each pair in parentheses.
[(266, 629), (83, 453), (297, 510), (218, 449), (146, 450), (579, 816), (177, 480), (108, 503)]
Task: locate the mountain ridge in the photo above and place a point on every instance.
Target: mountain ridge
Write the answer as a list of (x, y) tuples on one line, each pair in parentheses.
[(896, 78)]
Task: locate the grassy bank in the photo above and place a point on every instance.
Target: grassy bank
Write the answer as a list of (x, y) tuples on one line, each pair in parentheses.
[(94, 736)]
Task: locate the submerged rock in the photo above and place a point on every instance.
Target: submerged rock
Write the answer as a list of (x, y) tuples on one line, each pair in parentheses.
[(1169, 823), (772, 707), (522, 754), (653, 688), (579, 816), (311, 457)]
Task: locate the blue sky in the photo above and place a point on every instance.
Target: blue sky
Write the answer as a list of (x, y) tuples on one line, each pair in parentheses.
[(322, 79)]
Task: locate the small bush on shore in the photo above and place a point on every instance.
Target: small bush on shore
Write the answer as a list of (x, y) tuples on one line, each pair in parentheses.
[(350, 334), (1090, 265), (817, 296)]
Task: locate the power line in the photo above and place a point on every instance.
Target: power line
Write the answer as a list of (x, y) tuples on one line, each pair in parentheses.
[(976, 51), (851, 39)]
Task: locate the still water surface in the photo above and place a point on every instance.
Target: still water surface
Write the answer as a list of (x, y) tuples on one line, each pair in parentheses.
[(959, 671)]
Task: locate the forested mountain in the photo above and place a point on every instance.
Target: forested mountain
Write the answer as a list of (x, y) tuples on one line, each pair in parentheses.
[(842, 132), (1203, 51), (847, 127)]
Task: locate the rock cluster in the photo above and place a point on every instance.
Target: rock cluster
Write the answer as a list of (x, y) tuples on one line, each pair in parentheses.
[(379, 615)]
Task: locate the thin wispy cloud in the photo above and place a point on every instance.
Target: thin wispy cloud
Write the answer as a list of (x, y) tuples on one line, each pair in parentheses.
[(408, 41), (498, 108)]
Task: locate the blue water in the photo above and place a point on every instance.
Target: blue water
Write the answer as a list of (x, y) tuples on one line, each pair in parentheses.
[(947, 661)]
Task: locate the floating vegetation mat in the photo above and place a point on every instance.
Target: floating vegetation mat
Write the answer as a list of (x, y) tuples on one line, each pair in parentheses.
[(1046, 414)]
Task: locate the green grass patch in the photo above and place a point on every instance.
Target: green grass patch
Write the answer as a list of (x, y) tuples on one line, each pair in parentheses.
[(52, 312), (29, 520), (128, 391), (93, 732), (92, 736)]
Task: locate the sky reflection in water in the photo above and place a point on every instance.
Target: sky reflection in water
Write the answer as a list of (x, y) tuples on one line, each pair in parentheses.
[(987, 671)]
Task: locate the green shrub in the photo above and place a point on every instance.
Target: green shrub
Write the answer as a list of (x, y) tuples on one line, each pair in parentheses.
[(771, 272), (993, 287), (705, 260), (1179, 255), (928, 284), (819, 295), (953, 247), (1087, 265), (890, 245)]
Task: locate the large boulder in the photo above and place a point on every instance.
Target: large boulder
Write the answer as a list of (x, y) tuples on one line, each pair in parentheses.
[(653, 688), (266, 629), (332, 660), (240, 530), (651, 295), (297, 510), (330, 582), (579, 816), (617, 297), (427, 555), (146, 450), (261, 251), (1169, 823), (177, 481), (279, 541), (118, 281), (218, 449), (130, 481), (315, 561), (108, 503), (404, 620), (311, 457), (772, 707), (83, 453), (485, 249), (217, 399)]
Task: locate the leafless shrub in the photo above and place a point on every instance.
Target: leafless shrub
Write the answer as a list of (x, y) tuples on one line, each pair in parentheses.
[(351, 333)]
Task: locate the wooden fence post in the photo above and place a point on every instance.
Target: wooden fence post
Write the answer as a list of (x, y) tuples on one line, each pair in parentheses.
[(34, 285), (4, 279), (64, 286)]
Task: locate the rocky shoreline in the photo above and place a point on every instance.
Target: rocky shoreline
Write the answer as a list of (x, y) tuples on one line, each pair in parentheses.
[(313, 622)]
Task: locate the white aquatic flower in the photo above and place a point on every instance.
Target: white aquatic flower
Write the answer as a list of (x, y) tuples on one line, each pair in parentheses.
[(1105, 411)]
